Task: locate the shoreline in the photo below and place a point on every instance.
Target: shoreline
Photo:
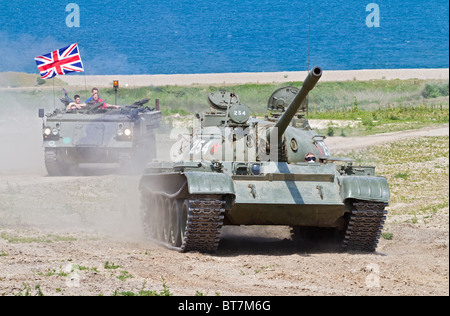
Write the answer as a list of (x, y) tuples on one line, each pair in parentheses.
[(256, 78), (105, 81)]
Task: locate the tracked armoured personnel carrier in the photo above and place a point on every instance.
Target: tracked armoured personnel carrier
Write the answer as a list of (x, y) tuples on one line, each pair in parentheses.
[(231, 169), (98, 135)]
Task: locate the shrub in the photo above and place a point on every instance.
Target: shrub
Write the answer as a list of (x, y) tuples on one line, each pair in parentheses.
[(435, 90)]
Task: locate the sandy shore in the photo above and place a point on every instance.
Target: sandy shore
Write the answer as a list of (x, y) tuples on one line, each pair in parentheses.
[(242, 78)]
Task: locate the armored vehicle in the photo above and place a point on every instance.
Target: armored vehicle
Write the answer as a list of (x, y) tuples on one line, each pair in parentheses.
[(231, 169), (94, 134)]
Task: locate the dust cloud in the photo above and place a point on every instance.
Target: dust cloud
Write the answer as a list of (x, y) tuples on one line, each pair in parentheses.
[(20, 136), (106, 203)]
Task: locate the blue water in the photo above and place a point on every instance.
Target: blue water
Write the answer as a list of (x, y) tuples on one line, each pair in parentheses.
[(204, 36)]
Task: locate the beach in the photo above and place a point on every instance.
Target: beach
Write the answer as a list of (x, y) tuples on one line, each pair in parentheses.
[(252, 77)]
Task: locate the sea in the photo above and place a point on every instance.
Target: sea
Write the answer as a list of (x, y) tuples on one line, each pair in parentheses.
[(210, 36)]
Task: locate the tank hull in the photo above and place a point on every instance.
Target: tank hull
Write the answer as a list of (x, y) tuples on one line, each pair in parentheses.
[(304, 195), (299, 195)]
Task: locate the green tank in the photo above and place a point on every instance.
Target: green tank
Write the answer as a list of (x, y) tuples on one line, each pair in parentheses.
[(94, 135), (232, 169)]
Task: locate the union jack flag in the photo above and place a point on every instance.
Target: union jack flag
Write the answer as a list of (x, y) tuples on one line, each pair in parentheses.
[(59, 62)]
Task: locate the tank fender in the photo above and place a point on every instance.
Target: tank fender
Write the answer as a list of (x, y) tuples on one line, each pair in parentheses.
[(364, 188), (209, 183)]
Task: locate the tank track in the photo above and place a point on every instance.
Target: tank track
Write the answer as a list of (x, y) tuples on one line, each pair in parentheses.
[(51, 164), (199, 218), (204, 225), (365, 225)]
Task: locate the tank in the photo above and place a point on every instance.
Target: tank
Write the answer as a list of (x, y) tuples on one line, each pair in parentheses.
[(234, 169), (93, 135)]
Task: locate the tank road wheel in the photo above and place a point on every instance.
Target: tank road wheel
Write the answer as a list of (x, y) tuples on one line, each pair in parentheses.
[(165, 217), (174, 231), (182, 217), (192, 224), (159, 218), (148, 215)]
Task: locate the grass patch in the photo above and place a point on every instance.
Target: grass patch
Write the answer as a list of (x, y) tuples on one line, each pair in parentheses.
[(165, 291), (417, 171), (386, 118), (327, 96), (435, 90), (376, 106), (387, 236), (111, 266), (15, 239), (28, 291), (402, 175), (125, 275)]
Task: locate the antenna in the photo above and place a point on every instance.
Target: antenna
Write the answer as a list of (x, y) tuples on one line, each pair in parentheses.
[(309, 51), (309, 36)]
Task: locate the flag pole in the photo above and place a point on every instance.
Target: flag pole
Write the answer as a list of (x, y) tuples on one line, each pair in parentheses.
[(85, 86), (54, 100)]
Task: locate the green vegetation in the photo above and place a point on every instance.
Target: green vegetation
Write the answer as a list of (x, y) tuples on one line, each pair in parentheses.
[(435, 90), (37, 239), (27, 291), (165, 291), (417, 171), (384, 118), (373, 106), (348, 98), (112, 266), (124, 275), (387, 235)]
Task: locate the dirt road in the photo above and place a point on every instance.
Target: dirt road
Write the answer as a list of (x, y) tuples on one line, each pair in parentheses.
[(82, 236)]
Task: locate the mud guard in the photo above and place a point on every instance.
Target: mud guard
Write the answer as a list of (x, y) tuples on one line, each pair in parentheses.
[(364, 188), (209, 183)]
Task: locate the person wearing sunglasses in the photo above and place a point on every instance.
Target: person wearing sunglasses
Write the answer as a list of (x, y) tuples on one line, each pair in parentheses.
[(310, 157)]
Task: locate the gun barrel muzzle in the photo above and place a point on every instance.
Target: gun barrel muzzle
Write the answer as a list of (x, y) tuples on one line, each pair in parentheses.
[(309, 84)]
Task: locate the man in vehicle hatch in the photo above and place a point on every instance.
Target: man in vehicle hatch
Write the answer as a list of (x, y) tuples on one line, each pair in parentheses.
[(75, 105), (93, 91)]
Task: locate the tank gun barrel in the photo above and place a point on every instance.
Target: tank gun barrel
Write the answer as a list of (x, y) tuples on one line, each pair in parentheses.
[(309, 84)]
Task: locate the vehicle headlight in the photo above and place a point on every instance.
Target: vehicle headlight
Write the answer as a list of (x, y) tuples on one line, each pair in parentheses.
[(256, 169), (120, 132), (47, 131), (55, 131), (127, 132)]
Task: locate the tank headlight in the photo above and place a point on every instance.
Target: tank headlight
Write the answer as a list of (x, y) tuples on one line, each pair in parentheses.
[(47, 131), (120, 132), (55, 131), (127, 132), (256, 169)]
